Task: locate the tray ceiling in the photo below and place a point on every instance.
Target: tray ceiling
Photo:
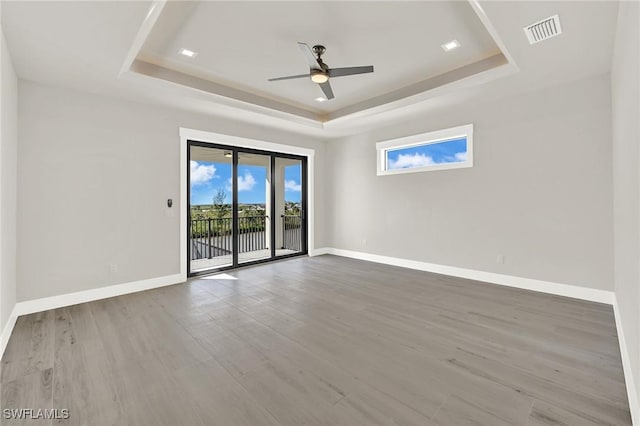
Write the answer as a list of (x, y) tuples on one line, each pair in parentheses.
[(240, 45)]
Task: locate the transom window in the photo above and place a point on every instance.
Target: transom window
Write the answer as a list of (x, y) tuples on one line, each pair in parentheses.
[(443, 149)]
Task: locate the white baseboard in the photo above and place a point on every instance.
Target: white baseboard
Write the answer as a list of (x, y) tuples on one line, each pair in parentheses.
[(7, 330), (594, 295), (576, 292), (632, 391), (53, 302), (318, 251), (590, 294)]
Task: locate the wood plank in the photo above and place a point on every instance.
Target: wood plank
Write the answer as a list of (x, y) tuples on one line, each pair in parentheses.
[(84, 384), (545, 414), (460, 412), (322, 341), (30, 391), (31, 348)]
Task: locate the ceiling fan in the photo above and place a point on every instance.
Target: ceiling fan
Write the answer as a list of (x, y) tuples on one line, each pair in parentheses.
[(320, 72)]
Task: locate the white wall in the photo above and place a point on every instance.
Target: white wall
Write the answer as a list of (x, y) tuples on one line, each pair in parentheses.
[(625, 94), (8, 179), (95, 174), (539, 192)]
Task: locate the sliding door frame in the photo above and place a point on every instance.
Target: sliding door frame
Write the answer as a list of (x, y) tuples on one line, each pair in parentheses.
[(236, 150)]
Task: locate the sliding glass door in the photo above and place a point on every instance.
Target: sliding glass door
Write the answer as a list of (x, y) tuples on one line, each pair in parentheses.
[(246, 206), (211, 243), (289, 218), (254, 190)]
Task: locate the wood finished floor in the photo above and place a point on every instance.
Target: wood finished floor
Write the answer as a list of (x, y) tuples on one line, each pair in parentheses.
[(321, 341)]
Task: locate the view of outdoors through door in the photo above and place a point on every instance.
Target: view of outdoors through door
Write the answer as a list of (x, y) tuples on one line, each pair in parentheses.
[(211, 221), (254, 205), (257, 217), (288, 205)]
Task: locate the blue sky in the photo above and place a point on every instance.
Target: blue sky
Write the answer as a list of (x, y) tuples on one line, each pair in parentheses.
[(207, 178), (453, 151)]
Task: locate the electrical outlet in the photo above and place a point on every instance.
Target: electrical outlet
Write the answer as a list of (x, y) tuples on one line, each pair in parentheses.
[(113, 268), (500, 259)]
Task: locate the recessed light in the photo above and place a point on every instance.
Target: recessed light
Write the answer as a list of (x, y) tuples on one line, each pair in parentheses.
[(451, 45), (188, 53), (321, 99)]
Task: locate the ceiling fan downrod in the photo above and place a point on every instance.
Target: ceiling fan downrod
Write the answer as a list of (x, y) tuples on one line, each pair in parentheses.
[(319, 50)]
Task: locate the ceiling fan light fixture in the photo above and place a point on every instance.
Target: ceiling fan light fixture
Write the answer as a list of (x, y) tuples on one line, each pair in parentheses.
[(319, 77)]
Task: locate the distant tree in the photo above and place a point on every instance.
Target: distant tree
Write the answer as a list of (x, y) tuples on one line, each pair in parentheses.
[(292, 208), (197, 214), (220, 205)]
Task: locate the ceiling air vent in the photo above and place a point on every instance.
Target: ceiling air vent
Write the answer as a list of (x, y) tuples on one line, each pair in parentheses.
[(543, 30)]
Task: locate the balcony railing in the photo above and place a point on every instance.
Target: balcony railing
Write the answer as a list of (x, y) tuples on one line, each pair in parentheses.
[(291, 232), (212, 238)]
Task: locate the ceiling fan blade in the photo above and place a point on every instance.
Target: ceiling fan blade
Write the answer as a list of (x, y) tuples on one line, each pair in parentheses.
[(326, 88), (290, 77), (308, 53), (340, 72)]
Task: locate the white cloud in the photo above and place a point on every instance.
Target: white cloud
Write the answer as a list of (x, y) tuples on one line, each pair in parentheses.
[(245, 183), (291, 185), (200, 173), (411, 160), (461, 156)]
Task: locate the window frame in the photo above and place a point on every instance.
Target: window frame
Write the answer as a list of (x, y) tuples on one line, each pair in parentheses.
[(421, 139)]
